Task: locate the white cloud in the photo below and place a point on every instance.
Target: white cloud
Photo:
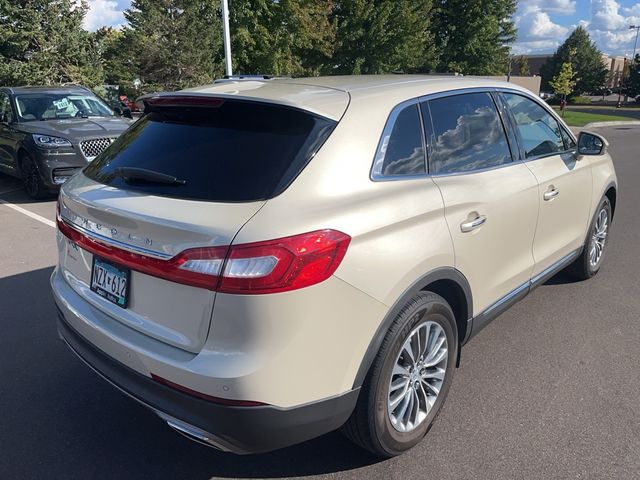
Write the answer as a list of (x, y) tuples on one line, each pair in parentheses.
[(606, 20), (536, 31), (605, 15), (103, 13)]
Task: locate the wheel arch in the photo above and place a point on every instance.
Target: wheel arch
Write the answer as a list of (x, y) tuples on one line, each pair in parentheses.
[(611, 192), (447, 282)]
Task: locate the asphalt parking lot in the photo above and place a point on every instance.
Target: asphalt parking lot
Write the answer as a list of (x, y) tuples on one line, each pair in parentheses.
[(551, 389)]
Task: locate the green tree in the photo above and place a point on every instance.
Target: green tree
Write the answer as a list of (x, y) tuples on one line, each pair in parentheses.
[(564, 82), (586, 62), (285, 37), (175, 43), (117, 56), (633, 83), (382, 36), (523, 66), (42, 42), (471, 36)]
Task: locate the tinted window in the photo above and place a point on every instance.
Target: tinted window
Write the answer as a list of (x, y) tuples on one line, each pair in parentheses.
[(236, 152), (539, 131), (401, 151), (467, 134)]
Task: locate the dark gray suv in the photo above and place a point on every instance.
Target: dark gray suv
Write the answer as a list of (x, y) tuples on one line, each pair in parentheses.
[(49, 133)]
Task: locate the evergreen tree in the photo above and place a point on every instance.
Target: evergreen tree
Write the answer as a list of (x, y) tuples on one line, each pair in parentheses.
[(42, 43), (586, 62), (382, 36), (176, 43), (117, 56), (285, 37), (471, 36)]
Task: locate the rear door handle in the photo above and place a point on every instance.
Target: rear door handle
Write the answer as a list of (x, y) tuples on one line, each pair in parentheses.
[(551, 194), (473, 224)]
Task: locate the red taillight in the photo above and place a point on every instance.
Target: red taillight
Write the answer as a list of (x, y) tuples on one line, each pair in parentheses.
[(254, 268), (300, 261), (204, 396)]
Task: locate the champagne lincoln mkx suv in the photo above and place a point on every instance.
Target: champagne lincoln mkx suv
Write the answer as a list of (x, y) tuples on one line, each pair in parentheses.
[(263, 261)]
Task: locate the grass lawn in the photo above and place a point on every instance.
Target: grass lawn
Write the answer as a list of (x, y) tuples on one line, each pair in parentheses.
[(580, 119)]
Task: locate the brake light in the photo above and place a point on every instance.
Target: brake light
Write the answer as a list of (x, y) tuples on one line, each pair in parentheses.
[(272, 266), (184, 101)]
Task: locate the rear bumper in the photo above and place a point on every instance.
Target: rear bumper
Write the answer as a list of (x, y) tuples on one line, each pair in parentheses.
[(234, 429)]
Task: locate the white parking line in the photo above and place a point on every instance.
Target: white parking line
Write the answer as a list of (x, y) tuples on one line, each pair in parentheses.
[(35, 216)]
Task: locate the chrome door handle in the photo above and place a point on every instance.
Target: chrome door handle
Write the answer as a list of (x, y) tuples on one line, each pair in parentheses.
[(473, 224), (551, 194)]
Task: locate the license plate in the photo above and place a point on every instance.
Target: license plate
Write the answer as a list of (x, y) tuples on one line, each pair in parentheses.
[(110, 281)]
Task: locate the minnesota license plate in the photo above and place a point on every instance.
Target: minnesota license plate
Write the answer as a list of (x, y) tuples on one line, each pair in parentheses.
[(110, 281)]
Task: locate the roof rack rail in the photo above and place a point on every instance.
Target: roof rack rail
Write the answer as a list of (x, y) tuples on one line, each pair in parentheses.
[(236, 78)]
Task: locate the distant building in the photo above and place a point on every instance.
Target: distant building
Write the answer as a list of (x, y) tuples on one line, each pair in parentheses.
[(615, 65)]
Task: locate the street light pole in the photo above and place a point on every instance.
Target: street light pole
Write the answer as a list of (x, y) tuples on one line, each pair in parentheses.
[(226, 38)]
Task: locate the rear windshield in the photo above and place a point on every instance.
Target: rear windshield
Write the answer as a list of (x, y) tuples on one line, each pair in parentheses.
[(236, 152)]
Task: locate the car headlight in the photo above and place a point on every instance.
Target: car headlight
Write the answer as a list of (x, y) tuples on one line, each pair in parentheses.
[(47, 141)]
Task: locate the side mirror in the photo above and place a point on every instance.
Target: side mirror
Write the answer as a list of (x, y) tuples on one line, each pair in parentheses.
[(4, 118), (126, 112), (118, 111), (591, 144)]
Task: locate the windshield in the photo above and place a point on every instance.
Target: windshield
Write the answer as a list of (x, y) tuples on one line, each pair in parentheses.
[(56, 106)]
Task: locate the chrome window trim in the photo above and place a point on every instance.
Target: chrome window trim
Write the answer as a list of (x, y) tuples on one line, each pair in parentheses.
[(376, 176)]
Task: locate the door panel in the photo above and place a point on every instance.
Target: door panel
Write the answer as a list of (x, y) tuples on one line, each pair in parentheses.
[(565, 187), (496, 255), (491, 204)]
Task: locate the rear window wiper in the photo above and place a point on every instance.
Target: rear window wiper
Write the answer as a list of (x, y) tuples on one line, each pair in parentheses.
[(132, 175)]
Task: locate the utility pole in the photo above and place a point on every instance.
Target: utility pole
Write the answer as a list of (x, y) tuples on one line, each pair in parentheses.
[(226, 38)]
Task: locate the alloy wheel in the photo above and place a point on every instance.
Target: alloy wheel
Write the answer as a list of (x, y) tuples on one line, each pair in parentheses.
[(598, 238), (417, 376)]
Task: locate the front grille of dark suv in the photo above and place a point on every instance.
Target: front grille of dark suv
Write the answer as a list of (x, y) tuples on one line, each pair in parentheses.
[(92, 148)]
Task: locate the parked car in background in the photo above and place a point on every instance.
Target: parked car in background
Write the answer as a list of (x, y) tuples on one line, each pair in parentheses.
[(261, 262), (49, 133), (546, 95)]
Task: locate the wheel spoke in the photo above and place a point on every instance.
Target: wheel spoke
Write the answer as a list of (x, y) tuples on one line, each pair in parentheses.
[(433, 352), (437, 374)]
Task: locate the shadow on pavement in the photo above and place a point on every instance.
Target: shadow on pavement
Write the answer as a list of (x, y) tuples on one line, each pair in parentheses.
[(60, 420)]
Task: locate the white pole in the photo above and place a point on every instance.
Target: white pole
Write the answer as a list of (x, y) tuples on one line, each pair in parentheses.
[(226, 37)]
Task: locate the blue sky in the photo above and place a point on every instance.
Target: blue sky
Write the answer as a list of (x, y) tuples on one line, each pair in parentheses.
[(542, 24)]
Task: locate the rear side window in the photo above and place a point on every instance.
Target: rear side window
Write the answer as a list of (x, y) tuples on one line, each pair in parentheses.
[(235, 152), (467, 134), (539, 132), (401, 150)]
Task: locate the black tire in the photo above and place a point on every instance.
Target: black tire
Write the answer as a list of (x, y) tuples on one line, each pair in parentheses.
[(370, 425), (31, 178), (582, 268)]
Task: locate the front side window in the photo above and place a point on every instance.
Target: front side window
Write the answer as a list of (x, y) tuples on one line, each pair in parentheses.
[(401, 150), (56, 106), (467, 134), (539, 132)]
